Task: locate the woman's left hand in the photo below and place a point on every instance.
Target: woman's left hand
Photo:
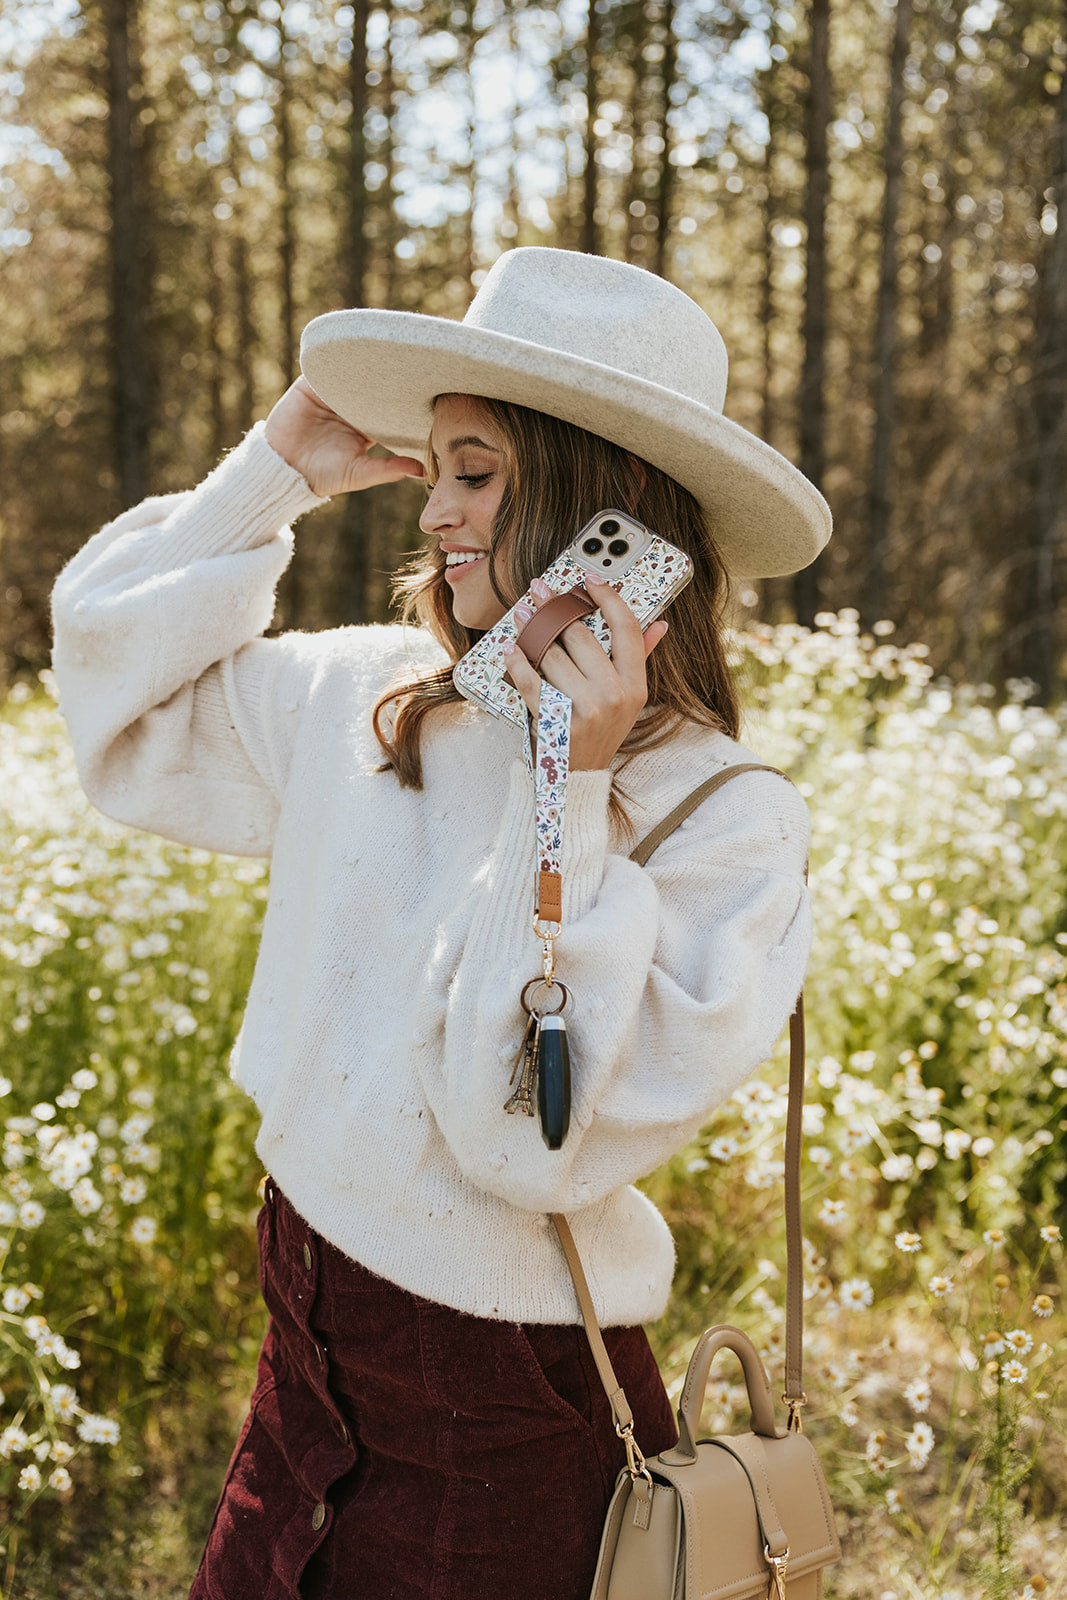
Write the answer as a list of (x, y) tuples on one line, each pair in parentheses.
[(608, 693)]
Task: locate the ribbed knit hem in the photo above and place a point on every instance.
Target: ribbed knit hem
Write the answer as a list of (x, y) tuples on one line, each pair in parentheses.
[(251, 494)]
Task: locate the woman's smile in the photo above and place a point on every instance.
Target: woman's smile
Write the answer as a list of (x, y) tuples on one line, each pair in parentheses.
[(460, 560)]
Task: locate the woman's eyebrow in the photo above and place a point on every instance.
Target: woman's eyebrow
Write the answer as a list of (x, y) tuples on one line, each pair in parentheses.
[(471, 439)]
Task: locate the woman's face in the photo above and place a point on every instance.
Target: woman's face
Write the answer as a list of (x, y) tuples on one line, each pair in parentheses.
[(462, 508)]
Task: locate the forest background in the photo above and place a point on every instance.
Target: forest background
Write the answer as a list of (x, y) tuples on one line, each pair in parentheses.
[(864, 196)]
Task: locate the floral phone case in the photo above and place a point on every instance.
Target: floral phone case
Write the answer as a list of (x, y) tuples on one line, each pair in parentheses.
[(648, 585)]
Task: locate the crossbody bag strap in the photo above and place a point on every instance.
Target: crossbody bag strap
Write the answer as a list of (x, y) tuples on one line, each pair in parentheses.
[(794, 1293)]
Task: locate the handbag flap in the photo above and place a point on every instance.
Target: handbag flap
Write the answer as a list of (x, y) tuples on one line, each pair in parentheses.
[(723, 1543)]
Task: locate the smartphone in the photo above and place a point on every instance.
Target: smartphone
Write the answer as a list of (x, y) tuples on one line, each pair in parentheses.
[(646, 570)]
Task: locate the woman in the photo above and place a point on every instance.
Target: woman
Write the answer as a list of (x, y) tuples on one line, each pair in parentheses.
[(427, 1420)]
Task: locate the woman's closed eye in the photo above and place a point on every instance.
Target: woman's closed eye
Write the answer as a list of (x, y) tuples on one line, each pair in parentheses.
[(473, 480)]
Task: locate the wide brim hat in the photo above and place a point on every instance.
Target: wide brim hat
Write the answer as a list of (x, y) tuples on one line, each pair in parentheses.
[(598, 343)]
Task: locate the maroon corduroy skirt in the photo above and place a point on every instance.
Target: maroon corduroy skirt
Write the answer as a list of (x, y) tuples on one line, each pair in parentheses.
[(396, 1449)]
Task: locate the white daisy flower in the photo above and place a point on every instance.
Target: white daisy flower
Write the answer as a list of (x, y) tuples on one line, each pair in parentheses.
[(1020, 1341), (1013, 1372), (919, 1443), (98, 1430), (65, 1403), (908, 1242), (855, 1293), (918, 1394)]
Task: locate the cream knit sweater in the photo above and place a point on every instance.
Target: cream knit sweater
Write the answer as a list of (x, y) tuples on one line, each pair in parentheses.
[(383, 1016)]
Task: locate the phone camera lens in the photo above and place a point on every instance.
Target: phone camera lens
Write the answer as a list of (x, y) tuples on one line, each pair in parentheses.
[(609, 528), (618, 547), (593, 547)]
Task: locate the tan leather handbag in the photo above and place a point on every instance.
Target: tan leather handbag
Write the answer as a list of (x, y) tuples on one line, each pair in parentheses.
[(729, 1518)]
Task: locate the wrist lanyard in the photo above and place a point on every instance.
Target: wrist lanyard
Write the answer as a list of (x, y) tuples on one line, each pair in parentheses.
[(543, 1061)]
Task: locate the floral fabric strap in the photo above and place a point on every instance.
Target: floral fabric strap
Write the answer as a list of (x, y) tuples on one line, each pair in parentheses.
[(549, 770)]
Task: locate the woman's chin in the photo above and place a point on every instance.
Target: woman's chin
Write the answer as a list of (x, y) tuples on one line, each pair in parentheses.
[(478, 617)]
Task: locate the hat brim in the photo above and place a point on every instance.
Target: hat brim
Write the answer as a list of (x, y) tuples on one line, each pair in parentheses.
[(382, 370)]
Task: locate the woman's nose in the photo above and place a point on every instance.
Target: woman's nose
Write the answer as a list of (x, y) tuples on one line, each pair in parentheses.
[(440, 510)]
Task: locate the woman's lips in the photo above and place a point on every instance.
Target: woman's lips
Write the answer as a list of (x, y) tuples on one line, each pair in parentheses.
[(460, 570)]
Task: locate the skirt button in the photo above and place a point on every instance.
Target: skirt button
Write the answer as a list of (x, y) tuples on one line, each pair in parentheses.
[(318, 1516), (307, 1255)]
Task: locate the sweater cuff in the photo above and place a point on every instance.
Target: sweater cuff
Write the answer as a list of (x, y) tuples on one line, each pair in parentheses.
[(252, 494)]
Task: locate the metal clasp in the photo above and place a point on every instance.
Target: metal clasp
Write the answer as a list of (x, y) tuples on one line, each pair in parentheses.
[(796, 1421), (777, 1565), (635, 1461), (547, 932)]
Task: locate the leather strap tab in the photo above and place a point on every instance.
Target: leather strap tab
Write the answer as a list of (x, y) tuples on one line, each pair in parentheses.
[(549, 897), (748, 1449), (546, 625)]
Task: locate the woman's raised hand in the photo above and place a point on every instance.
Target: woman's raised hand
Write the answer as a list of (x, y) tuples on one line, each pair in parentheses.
[(608, 693), (330, 453)]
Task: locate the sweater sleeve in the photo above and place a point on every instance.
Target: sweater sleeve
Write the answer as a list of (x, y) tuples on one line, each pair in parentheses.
[(163, 676), (683, 974)]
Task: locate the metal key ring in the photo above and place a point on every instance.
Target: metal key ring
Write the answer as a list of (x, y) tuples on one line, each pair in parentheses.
[(539, 983)]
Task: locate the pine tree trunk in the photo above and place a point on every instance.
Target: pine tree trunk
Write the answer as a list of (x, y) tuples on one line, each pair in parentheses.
[(774, 591), (634, 194), (470, 174), (355, 552), (1040, 653), (666, 170), (874, 604), (388, 232), (590, 232), (813, 373), (286, 224), (245, 356), (130, 357)]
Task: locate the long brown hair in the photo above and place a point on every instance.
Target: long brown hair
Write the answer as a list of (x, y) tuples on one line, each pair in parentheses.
[(557, 477)]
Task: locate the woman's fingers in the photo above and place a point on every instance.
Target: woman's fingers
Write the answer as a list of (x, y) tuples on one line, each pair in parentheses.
[(331, 454), (607, 693), (526, 679)]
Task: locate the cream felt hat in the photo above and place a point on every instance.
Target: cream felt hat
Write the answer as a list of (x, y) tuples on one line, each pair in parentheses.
[(596, 342)]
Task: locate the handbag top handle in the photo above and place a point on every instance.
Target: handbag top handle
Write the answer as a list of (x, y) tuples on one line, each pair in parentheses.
[(794, 1395)]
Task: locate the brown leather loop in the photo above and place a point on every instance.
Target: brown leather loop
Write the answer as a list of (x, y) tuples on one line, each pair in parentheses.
[(546, 625)]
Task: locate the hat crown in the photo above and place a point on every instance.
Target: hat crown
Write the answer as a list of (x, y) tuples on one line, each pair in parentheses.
[(606, 312)]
